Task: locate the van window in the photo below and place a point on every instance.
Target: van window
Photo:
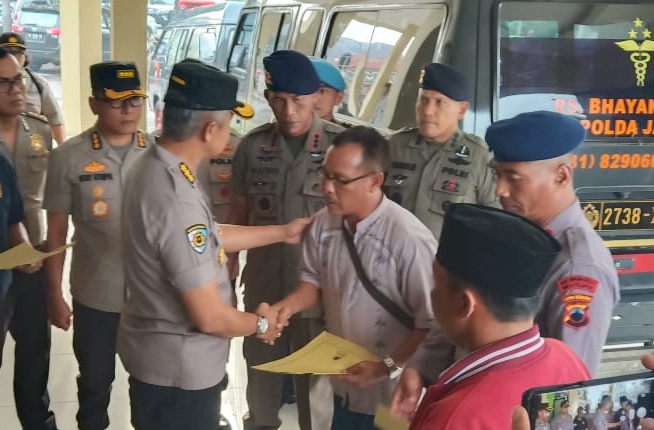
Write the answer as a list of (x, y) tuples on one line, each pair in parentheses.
[(307, 35), (162, 47), (225, 38), (241, 54), (202, 41), (380, 54), (587, 60), (177, 47)]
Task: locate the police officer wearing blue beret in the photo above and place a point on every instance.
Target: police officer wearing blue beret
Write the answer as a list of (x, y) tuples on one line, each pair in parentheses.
[(533, 162), (332, 87), (275, 179), (437, 164), (173, 337)]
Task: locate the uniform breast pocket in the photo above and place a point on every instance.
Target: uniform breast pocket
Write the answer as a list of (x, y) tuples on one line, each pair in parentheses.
[(99, 201), (397, 185), (446, 191), (220, 175), (38, 162), (312, 195)]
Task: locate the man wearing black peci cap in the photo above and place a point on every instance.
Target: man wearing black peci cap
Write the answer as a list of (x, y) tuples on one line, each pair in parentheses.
[(39, 97), (174, 331), (86, 180), (489, 267), (275, 179)]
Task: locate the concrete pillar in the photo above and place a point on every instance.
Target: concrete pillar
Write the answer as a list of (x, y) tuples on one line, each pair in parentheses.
[(128, 38), (81, 46)]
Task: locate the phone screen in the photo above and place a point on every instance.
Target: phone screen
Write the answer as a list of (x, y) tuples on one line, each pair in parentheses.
[(618, 403)]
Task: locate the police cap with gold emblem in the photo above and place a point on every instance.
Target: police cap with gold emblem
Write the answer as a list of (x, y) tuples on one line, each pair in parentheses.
[(195, 85), (534, 136), (495, 251), (446, 80), (116, 80), (12, 40), (292, 72)]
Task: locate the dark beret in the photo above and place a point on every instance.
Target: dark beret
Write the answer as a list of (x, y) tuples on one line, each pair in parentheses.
[(116, 80), (12, 40), (195, 85), (446, 80), (291, 72), (533, 136), (495, 250)]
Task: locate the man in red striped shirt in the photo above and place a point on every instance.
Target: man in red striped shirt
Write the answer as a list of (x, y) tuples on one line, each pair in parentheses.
[(489, 266)]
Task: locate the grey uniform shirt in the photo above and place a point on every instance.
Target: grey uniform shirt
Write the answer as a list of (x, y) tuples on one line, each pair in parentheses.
[(426, 178), (397, 252), (214, 176), (170, 246), (43, 103), (278, 188), (86, 180), (29, 158), (580, 290), (562, 422)]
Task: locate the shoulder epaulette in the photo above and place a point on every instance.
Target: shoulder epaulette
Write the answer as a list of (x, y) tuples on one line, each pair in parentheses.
[(406, 129), (261, 129), (331, 127), (38, 116), (475, 140)]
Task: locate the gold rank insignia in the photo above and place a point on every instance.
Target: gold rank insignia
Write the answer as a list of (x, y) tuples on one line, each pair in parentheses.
[(422, 76), (95, 139), (222, 256), (187, 172), (141, 139), (36, 141)]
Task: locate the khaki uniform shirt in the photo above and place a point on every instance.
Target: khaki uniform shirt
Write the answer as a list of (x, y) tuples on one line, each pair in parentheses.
[(426, 178), (214, 176), (581, 289), (171, 246), (43, 103), (30, 161), (278, 189), (86, 180), (397, 252)]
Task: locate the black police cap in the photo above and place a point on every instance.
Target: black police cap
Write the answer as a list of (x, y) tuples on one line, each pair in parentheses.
[(116, 80), (195, 85)]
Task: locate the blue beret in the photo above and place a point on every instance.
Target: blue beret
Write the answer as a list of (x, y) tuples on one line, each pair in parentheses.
[(290, 72), (533, 136), (446, 80), (328, 74), (495, 250)]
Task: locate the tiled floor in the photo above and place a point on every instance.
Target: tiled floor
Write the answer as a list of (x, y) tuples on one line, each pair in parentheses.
[(63, 389)]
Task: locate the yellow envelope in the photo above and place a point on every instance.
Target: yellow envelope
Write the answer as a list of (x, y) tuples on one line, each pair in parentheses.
[(385, 420), (25, 254), (326, 354)]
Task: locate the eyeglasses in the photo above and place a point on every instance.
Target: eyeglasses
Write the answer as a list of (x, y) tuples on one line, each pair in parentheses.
[(122, 104), (325, 177), (7, 84)]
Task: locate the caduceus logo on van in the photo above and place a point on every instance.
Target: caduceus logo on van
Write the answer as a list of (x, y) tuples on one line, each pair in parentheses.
[(640, 52)]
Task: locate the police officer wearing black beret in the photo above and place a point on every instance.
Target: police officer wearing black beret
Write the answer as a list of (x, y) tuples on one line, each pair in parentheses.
[(275, 179), (174, 332)]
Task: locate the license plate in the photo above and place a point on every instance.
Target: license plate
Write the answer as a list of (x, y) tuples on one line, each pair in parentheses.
[(619, 215), (34, 36)]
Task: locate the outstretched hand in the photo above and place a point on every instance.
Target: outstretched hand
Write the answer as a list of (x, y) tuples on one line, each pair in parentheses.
[(294, 230)]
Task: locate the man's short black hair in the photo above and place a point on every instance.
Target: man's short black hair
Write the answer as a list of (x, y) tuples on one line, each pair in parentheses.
[(376, 149), (504, 308)]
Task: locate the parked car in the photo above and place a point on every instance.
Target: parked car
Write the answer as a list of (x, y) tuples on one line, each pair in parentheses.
[(39, 24), (161, 10)]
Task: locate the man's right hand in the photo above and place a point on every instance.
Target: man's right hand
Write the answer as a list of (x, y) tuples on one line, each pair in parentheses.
[(407, 394), (59, 313), (274, 326)]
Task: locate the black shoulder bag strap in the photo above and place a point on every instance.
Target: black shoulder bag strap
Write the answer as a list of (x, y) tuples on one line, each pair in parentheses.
[(39, 87), (380, 297)]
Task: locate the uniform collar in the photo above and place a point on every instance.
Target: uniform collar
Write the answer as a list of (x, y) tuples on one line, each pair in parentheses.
[(565, 219), (506, 350)]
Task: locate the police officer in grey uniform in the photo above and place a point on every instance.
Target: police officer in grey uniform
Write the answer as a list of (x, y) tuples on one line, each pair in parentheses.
[(175, 328), (26, 142), (535, 179), (436, 164), (86, 180), (40, 98), (274, 180)]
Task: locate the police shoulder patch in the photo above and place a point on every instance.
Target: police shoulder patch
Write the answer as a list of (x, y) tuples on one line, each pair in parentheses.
[(38, 116), (197, 237)]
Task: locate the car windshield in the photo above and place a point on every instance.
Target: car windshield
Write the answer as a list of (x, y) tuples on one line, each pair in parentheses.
[(41, 18)]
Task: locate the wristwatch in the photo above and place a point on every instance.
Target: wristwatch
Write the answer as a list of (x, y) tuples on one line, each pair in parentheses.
[(262, 325), (393, 369)]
